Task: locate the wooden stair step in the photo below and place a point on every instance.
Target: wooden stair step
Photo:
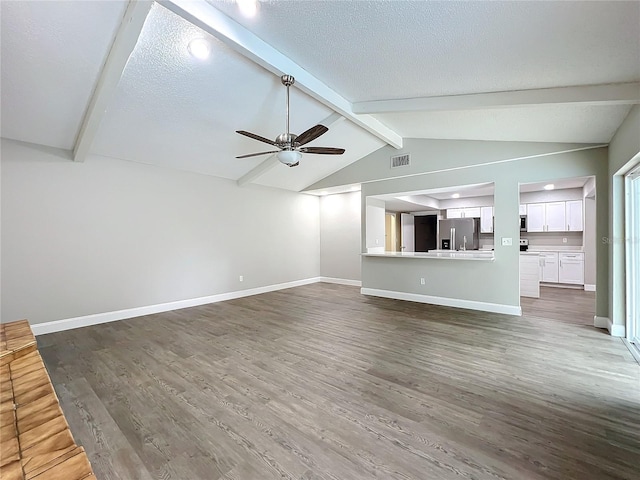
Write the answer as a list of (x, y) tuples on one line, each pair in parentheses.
[(32, 363), (12, 471), (9, 451), (30, 381), (33, 463), (76, 467), (36, 418), (8, 432), (43, 432), (7, 417), (23, 398), (60, 441)]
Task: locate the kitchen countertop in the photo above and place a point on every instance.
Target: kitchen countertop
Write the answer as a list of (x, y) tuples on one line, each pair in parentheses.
[(477, 255)]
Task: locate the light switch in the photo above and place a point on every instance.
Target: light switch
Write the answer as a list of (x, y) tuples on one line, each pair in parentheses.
[(507, 242)]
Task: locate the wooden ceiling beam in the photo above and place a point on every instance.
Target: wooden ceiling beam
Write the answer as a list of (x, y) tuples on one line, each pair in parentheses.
[(605, 94)]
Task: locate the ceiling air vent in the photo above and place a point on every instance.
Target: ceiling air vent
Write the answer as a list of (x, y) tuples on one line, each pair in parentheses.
[(401, 160)]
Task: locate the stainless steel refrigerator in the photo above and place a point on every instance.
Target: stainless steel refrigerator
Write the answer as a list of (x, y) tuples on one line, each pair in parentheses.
[(459, 234)]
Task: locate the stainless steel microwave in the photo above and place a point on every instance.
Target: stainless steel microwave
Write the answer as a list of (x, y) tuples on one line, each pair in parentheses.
[(523, 223)]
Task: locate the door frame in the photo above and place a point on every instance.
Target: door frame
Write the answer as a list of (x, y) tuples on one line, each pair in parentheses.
[(632, 258)]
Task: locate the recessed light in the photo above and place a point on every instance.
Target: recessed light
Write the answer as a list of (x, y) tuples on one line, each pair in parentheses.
[(248, 8), (455, 195), (199, 48), (549, 186)]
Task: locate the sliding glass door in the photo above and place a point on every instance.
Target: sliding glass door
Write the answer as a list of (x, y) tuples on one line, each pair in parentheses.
[(632, 245)]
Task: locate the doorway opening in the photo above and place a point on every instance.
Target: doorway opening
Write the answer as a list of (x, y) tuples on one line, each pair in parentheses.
[(558, 248)]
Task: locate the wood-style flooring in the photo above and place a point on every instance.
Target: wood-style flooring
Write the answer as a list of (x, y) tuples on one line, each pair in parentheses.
[(562, 305), (320, 382)]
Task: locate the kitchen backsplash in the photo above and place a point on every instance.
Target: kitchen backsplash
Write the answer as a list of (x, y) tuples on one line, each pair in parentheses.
[(574, 239)]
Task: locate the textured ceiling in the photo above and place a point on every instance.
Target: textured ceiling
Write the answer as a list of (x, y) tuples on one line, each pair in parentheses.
[(541, 123), (372, 50), (52, 55), (172, 110)]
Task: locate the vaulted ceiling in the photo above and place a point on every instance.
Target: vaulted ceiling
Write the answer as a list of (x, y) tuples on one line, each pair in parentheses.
[(116, 79)]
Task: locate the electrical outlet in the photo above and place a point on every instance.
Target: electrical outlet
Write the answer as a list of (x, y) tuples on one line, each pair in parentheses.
[(564, 240), (507, 242), (422, 281), (241, 278), (377, 241)]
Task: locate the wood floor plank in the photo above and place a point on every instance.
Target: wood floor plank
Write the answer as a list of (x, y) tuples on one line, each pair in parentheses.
[(320, 382)]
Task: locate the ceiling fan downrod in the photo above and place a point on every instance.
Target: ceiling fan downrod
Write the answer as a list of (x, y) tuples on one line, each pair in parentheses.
[(286, 140)]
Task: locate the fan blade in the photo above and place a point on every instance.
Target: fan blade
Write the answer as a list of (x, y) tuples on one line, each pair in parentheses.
[(311, 134), (257, 137), (323, 150), (256, 154)]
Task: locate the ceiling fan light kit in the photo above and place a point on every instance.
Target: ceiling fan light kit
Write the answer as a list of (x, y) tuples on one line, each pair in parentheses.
[(290, 145), (289, 157)]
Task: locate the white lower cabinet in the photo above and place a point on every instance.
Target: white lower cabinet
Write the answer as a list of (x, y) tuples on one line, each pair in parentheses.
[(562, 267), (571, 268), (549, 267)]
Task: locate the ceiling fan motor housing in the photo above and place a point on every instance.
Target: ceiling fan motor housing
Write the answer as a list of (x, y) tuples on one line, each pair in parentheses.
[(286, 140)]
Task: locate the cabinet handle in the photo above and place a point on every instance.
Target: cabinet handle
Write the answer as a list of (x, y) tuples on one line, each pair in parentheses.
[(560, 262), (568, 229)]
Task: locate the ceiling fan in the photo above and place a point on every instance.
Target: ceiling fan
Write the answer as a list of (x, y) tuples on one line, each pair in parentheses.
[(291, 146)]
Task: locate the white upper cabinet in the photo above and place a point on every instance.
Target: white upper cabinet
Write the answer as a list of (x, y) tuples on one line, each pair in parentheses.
[(454, 213), (536, 217), (486, 220), (555, 217), (468, 212), (574, 215)]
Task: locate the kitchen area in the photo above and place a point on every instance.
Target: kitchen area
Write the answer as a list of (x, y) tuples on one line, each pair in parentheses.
[(557, 230)]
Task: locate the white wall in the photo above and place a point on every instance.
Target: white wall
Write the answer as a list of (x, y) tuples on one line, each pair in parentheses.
[(105, 235), (340, 243)]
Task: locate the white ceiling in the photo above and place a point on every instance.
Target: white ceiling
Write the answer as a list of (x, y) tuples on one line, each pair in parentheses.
[(170, 109)]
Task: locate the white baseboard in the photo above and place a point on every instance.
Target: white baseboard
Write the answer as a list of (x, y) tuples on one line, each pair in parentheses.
[(605, 322), (95, 319), (444, 301), (601, 322), (589, 288), (616, 330), (341, 281)]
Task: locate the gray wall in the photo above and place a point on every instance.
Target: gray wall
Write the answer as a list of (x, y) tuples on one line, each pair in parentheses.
[(340, 236), (437, 155), (491, 282), (105, 235), (624, 146), (590, 243)]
